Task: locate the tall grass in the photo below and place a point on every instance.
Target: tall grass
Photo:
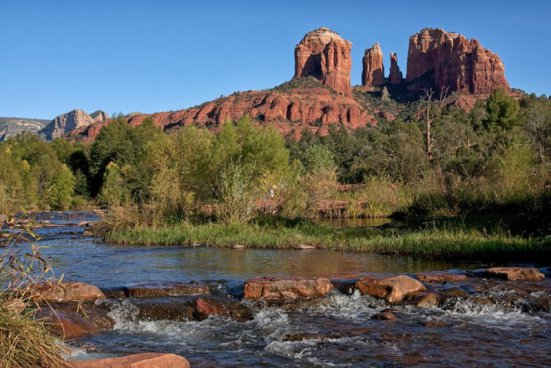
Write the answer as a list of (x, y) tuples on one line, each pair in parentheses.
[(437, 242)]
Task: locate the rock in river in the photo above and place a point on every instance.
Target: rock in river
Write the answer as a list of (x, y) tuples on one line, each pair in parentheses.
[(67, 325), (392, 289), (286, 288), (144, 360), (66, 292), (515, 273)]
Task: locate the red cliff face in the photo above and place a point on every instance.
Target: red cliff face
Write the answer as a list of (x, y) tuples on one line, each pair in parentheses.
[(450, 61), (290, 111), (325, 55), (395, 76), (373, 72)]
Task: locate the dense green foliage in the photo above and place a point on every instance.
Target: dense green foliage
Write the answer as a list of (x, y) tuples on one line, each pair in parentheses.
[(495, 158), (491, 158), (36, 174)]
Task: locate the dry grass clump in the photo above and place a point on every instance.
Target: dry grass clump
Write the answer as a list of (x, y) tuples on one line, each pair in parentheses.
[(24, 341)]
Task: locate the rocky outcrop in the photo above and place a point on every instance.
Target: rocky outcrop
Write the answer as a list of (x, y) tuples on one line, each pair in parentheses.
[(325, 55), (99, 116), (144, 360), (392, 289), (449, 61), (286, 288), (289, 109), (63, 124), (395, 76), (373, 72)]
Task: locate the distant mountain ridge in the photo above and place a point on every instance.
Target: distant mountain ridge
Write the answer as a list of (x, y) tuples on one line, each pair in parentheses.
[(63, 124), (10, 126)]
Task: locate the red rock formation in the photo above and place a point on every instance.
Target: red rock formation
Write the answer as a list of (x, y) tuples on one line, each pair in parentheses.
[(395, 76), (325, 55), (373, 72), (289, 111), (450, 61)]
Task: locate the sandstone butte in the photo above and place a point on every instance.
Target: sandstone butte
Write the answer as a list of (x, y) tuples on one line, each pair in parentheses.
[(325, 55), (450, 61), (319, 94)]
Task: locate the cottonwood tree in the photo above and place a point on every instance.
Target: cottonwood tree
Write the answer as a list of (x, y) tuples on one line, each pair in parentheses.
[(432, 105)]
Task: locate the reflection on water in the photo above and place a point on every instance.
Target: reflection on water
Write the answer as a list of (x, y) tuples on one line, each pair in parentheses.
[(90, 260)]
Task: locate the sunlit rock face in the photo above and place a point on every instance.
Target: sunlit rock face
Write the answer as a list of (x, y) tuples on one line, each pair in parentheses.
[(65, 123), (373, 72), (449, 61), (325, 55)]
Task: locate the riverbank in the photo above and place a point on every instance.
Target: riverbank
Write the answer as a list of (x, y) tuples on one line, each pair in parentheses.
[(434, 243)]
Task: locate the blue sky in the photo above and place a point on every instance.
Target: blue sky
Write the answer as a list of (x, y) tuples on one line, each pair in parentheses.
[(148, 56)]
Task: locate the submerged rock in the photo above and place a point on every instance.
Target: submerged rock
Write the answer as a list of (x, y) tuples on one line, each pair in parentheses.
[(286, 288), (144, 360), (392, 289), (454, 292), (190, 308), (440, 277), (177, 289), (515, 273), (171, 309), (96, 313), (206, 307), (384, 316), (426, 300)]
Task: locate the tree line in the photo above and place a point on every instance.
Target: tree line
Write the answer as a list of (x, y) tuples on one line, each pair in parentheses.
[(498, 154)]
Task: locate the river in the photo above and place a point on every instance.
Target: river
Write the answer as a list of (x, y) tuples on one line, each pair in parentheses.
[(484, 329)]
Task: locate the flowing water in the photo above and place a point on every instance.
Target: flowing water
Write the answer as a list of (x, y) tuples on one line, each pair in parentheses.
[(486, 329)]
